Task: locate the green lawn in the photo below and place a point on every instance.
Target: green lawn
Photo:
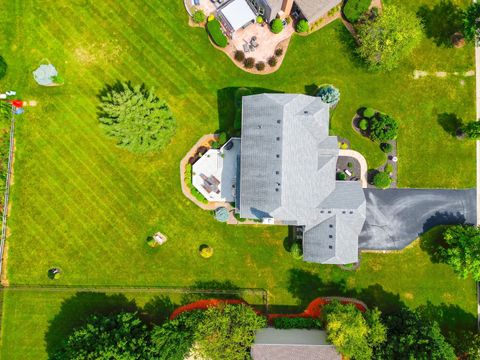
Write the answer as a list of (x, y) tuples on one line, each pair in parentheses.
[(86, 206)]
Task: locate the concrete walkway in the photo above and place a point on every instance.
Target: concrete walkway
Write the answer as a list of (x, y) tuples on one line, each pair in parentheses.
[(361, 160), (396, 217)]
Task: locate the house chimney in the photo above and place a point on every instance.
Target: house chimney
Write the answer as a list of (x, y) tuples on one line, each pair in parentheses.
[(287, 7)]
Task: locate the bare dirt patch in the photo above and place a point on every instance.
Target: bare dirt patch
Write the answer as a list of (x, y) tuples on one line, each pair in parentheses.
[(94, 53)]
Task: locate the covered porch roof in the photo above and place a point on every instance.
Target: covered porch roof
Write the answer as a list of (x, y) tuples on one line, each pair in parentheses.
[(237, 13)]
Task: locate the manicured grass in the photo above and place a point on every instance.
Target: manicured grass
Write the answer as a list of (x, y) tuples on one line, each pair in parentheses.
[(86, 206), (387, 280)]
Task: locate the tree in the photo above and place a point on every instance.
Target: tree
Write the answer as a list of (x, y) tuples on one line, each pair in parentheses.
[(470, 23), (302, 26), (136, 118), (462, 250), (199, 16), (472, 130), (382, 180), (353, 10), (387, 39), (467, 345), (412, 336), (122, 336), (276, 26), (383, 128), (173, 340), (354, 334), (227, 332), (329, 94)]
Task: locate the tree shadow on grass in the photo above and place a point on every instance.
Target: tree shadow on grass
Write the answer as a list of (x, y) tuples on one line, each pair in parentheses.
[(75, 311), (227, 109), (451, 318), (306, 286), (450, 123), (157, 310), (350, 47), (207, 291), (441, 21)]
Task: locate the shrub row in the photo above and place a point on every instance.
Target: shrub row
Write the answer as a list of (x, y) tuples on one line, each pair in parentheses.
[(193, 190), (296, 323), (215, 30)]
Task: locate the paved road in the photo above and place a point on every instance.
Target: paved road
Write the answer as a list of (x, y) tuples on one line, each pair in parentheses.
[(396, 217)]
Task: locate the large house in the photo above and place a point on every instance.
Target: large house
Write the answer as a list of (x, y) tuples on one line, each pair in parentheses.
[(237, 14), (287, 175), (282, 171)]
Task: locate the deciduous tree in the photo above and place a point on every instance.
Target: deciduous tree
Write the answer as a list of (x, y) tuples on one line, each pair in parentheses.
[(385, 40), (354, 334), (413, 337), (462, 250), (227, 332), (122, 337)]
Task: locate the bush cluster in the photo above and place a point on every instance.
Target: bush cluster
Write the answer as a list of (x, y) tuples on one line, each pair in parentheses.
[(363, 124), (249, 63), (198, 16), (188, 181), (383, 128), (239, 55), (296, 251), (276, 26), (215, 31), (353, 10), (382, 180), (302, 26), (272, 61), (386, 147), (260, 66), (278, 52)]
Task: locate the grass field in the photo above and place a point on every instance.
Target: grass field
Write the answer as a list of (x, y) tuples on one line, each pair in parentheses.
[(86, 206)]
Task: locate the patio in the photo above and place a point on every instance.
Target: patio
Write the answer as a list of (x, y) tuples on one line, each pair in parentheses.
[(215, 173), (266, 42)]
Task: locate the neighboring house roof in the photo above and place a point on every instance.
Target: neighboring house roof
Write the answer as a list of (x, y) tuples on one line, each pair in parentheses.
[(276, 344), (314, 9), (275, 7), (238, 13), (287, 172)]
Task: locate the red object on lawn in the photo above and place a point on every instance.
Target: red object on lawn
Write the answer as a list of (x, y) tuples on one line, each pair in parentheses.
[(17, 103)]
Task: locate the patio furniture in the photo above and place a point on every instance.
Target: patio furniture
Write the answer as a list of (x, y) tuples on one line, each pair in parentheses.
[(246, 48), (252, 48), (196, 2), (348, 172), (229, 145), (253, 42)]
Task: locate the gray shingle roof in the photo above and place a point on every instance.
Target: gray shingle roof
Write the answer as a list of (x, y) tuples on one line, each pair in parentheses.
[(314, 9), (293, 344), (287, 172)]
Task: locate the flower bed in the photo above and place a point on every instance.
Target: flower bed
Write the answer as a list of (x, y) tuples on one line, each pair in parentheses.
[(313, 310)]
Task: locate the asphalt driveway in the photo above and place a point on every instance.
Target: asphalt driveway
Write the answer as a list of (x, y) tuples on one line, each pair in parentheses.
[(396, 217)]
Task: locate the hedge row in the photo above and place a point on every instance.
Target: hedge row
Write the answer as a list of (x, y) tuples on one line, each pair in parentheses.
[(188, 181), (296, 323), (215, 30)]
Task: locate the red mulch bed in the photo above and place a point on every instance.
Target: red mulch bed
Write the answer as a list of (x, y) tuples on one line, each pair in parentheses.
[(203, 305), (313, 310)]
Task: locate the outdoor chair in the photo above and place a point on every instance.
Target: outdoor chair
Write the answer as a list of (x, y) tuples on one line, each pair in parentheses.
[(246, 48)]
